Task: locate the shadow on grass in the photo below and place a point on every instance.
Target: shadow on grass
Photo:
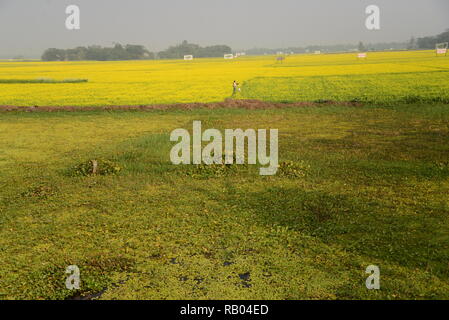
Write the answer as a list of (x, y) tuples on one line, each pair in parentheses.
[(357, 225)]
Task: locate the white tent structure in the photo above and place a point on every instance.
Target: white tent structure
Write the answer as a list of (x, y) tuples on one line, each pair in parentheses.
[(441, 48)]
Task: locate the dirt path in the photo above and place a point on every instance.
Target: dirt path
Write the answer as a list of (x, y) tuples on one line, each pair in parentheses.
[(228, 103)]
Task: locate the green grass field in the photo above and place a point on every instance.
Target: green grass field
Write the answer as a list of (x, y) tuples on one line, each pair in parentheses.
[(374, 192)]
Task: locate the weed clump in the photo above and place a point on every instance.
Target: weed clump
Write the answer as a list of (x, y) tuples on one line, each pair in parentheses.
[(40, 191), (204, 171), (443, 166), (213, 170), (292, 169), (100, 167)]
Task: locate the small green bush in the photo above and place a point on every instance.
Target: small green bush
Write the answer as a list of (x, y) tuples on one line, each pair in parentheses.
[(103, 167)]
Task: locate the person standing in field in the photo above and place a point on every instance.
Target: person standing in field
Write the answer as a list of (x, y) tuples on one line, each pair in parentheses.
[(235, 86)]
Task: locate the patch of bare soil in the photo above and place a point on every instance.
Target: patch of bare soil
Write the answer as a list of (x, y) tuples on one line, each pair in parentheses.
[(228, 103)]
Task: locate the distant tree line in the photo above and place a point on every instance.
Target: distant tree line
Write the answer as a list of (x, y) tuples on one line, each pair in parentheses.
[(332, 48), (133, 52), (98, 53), (429, 42), (138, 52), (185, 48)]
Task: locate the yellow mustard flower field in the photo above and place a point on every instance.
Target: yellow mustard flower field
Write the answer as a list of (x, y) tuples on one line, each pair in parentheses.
[(381, 77)]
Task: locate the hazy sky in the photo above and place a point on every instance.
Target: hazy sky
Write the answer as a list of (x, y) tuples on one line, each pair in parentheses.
[(28, 27)]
